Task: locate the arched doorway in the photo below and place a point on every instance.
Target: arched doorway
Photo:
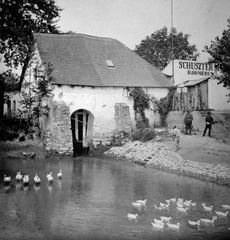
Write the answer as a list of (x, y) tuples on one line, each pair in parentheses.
[(82, 130)]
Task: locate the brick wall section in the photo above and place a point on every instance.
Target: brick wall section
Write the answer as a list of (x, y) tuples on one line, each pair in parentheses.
[(122, 118), (60, 136)]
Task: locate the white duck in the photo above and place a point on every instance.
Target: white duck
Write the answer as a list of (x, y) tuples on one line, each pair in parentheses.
[(37, 180), (222, 214), (7, 179), (142, 202), (19, 176), (50, 178), (137, 205), (164, 205), (157, 225), (132, 216), (180, 205), (175, 226), (226, 206), (182, 209), (206, 220), (26, 179), (180, 200), (48, 175), (194, 223), (193, 204), (206, 208), (186, 204), (173, 199), (165, 219), (59, 175), (158, 221)]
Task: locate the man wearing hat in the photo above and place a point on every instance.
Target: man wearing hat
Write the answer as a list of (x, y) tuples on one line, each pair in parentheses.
[(209, 121)]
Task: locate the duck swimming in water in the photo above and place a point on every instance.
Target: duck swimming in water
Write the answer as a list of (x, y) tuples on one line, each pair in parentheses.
[(26, 179), (157, 225), (165, 219), (226, 206), (142, 202), (194, 223), (132, 216), (19, 176), (59, 175), (37, 180), (158, 221), (7, 179), (50, 178), (206, 220), (175, 226), (222, 214)]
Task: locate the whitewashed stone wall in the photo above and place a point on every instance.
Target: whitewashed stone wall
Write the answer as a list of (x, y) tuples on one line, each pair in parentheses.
[(111, 108), (100, 101)]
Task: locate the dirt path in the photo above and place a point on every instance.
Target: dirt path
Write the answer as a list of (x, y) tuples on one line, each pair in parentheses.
[(202, 149)]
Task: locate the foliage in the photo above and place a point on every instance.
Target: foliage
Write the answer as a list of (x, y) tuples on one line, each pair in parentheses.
[(157, 48), (165, 105), (143, 135), (9, 81), (220, 55), (36, 93), (19, 19), (141, 103)]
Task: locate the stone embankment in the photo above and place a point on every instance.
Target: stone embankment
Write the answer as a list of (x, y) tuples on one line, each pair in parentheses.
[(154, 154)]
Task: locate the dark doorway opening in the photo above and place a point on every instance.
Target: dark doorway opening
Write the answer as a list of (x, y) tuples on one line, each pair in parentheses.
[(81, 125)]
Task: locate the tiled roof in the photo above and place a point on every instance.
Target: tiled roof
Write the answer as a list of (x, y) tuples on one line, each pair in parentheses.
[(80, 59)]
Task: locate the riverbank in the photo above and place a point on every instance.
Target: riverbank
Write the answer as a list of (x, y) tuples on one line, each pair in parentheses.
[(199, 157)]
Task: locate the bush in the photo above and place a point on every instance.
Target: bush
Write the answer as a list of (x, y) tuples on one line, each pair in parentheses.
[(6, 134), (143, 135)]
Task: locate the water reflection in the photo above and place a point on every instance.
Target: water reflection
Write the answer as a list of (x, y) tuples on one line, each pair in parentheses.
[(95, 195)]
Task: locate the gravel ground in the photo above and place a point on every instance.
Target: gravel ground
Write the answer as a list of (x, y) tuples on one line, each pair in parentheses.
[(203, 158)]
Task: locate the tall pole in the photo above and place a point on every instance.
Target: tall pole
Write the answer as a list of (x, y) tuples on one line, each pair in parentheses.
[(172, 40)]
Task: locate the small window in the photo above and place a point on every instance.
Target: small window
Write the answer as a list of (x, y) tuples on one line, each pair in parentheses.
[(109, 63)]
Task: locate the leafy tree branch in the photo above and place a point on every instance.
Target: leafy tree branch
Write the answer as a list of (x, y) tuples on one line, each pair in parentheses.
[(157, 48)]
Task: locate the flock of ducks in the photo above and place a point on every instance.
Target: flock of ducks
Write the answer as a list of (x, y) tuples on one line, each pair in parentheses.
[(25, 179), (182, 206)]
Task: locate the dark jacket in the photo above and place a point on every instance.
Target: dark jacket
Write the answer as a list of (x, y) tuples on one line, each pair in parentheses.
[(209, 120), (188, 119)]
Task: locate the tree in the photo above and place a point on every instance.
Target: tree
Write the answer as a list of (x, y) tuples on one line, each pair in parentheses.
[(33, 100), (157, 48), (19, 19), (220, 55)]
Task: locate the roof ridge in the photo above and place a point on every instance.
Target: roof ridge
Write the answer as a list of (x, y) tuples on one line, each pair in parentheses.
[(73, 35)]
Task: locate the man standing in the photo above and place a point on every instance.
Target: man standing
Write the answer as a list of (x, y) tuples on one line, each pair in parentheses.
[(208, 124), (188, 123)]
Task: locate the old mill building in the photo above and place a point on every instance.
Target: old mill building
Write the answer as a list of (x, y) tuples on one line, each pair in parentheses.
[(91, 81)]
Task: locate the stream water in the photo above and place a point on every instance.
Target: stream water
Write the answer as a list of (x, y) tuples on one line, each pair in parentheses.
[(95, 195)]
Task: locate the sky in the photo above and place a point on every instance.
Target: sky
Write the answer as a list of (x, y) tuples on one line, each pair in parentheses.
[(130, 21)]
